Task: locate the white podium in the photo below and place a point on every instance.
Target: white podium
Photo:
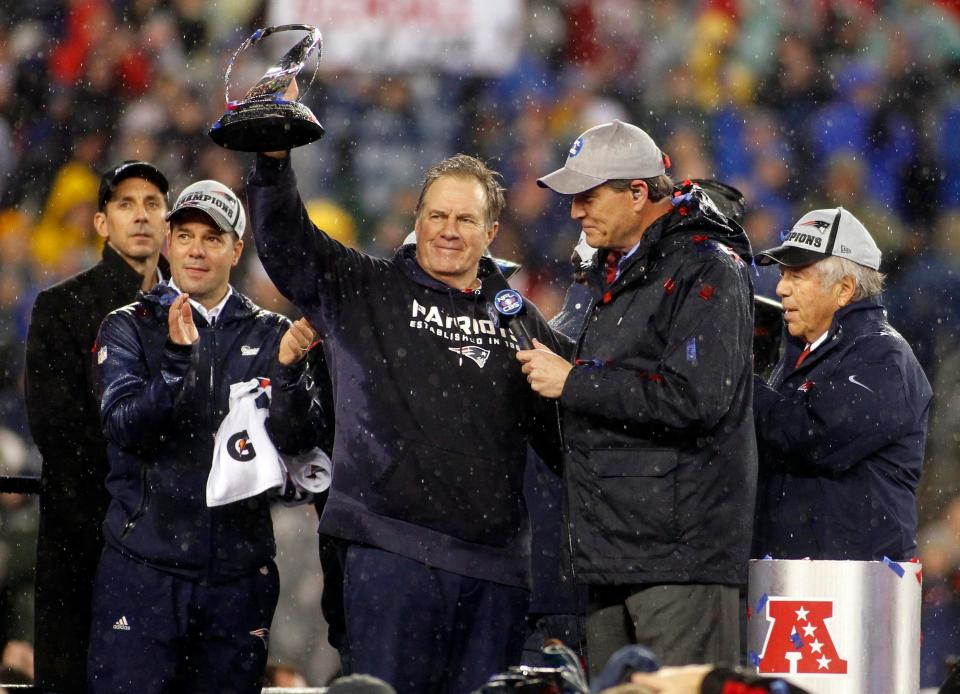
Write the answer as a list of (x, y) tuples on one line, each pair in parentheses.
[(836, 627)]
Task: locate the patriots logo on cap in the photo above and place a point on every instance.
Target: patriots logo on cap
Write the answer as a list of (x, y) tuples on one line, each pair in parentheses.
[(479, 355), (817, 224), (576, 147)]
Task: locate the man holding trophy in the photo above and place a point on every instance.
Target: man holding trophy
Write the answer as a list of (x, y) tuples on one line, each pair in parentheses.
[(433, 414)]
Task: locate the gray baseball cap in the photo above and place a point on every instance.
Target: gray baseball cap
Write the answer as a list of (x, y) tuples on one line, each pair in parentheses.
[(215, 200), (614, 150), (820, 234)]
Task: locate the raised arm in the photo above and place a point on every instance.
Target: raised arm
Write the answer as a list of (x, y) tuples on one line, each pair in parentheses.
[(306, 265)]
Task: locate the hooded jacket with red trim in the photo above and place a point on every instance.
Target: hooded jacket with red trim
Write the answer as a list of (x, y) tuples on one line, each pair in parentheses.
[(841, 444), (660, 460), (161, 406), (433, 414)]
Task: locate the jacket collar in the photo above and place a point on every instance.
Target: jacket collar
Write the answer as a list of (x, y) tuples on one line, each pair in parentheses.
[(851, 318), (406, 257), (120, 271), (237, 307), (694, 220)]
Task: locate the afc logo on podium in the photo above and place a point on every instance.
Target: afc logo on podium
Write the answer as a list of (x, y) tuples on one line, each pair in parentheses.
[(798, 640)]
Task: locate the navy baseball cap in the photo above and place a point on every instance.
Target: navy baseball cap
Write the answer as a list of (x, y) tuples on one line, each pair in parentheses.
[(129, 169)]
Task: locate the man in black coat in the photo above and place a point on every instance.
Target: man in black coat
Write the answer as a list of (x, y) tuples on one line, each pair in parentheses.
[(660, 459), (65, 418)]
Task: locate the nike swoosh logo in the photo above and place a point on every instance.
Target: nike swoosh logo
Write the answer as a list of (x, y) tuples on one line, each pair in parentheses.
[(853, 380)]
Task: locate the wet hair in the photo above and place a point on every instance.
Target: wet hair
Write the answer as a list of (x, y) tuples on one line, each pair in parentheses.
[(465, 166), (869, 281), (658, 187)]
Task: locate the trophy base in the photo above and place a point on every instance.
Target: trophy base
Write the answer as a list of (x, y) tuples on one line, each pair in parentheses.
[(266, 126)]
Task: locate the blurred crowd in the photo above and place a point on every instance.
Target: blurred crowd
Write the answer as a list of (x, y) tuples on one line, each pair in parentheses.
[(813, 103)]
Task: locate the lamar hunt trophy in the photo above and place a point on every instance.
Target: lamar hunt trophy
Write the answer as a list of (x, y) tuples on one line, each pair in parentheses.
[(263, 121)]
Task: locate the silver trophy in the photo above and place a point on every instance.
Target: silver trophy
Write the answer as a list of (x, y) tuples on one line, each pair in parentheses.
[(263, 121)]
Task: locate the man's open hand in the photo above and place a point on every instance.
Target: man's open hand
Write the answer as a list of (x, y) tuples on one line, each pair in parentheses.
[(180, 325)]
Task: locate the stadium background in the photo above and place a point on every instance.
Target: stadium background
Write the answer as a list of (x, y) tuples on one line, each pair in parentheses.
[(812, 103)]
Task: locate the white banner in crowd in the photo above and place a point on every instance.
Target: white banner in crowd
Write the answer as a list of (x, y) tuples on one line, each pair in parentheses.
[(480, 37)]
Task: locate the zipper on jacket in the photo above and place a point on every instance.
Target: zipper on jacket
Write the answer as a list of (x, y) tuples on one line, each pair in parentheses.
[(211, 399), (141, 505)]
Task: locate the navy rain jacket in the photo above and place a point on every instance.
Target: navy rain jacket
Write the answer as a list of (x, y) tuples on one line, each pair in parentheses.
[(841, 444), (161, 406), (660, 465)]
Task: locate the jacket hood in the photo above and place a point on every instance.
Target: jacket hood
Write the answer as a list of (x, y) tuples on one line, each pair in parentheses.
[(694, 219), (406, 258), (695, 212)]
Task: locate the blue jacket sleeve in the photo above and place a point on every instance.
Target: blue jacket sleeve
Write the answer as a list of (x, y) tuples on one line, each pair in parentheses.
[(299, 420), (838, 420), (135, 407), (695, 379)]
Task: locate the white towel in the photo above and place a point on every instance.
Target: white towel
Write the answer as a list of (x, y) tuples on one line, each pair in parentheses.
[(245, 461)]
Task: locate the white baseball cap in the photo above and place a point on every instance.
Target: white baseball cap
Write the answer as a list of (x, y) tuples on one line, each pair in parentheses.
[(822, 233), (614, 150), (216, 201)]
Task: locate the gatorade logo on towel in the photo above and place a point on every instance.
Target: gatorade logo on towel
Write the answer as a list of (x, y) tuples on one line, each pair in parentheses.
[(240, 447)]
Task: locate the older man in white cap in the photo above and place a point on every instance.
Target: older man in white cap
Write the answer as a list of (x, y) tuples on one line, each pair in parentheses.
[(660, 460), (842, 422)]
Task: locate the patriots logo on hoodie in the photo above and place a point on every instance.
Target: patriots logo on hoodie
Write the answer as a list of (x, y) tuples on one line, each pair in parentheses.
[(478, 354)]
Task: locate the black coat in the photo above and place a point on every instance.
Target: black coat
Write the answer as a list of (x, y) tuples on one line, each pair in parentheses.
[(661, 456), (65, 423)]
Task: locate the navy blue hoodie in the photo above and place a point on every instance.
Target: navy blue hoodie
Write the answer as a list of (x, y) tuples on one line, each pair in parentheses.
[(433, 413)]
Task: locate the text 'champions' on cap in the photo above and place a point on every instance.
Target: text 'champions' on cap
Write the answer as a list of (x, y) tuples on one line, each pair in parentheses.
[(215, 200), (822, 233)]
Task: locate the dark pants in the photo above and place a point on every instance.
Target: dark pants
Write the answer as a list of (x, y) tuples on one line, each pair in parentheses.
[(428, 631), (69, 544), (156, 632), (681, 624)]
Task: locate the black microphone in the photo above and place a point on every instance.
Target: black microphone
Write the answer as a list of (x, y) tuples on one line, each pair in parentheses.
[(509, 304)]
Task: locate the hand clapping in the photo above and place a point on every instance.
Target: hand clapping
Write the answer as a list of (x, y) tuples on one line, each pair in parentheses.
[(181, 328)]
